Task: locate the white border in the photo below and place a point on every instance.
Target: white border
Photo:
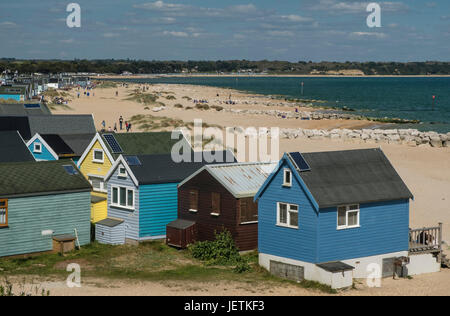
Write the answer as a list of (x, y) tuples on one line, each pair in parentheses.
[(96, 138), (44, 143)]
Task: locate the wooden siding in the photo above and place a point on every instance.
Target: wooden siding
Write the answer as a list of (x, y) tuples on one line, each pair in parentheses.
[(110, 235), (384, 228), (298, 244), (158, 207), (131, 218), (44, 156), (99, 211), (245, 235), (29, 216), (89, 167)]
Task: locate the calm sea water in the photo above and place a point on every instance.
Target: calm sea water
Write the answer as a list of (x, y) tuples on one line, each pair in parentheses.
[(406, 98)]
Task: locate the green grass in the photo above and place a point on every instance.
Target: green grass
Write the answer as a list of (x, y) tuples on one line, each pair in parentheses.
[(153, 261)]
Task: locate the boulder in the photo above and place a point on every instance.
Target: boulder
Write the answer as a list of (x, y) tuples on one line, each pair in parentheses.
[(435, 141)]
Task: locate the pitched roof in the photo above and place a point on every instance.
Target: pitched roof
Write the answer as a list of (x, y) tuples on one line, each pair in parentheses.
[(110, 222), (142, 143), (21, 109), (62, 124), (13, 148), (78, 142), (58, 145), (28, 126), (240, 179), (40, 178), (155, 169), (352, 176)]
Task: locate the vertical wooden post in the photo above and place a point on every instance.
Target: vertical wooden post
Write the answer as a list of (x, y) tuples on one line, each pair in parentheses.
[(440, 242)]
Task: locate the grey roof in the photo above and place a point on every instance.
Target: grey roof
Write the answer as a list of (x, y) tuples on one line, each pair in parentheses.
[(352, 176), (181, 224), (61, 125), (78, 142), (97, 199), (240, 179), (156, 169), (13, 148), (110, 222), (334, 267), (19, 109), (40, 178)]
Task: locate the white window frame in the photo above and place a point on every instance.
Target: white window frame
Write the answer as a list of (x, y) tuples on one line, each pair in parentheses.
[(103, 188), (288, 215), (123, 175), (285, 183), (348, 210), (117, 205), (37, 151), (97, 160)]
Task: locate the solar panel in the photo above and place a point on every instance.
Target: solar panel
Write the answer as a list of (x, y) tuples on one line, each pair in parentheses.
[(112, 142), (32, 106), (133, 161), (299, 162), (70, 170)]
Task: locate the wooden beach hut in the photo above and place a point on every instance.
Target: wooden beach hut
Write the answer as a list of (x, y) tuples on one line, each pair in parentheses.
[(328, 216), (219, 197), (42, 205)]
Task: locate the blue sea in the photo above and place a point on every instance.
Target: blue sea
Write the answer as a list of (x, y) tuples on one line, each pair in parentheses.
[(406, 98)]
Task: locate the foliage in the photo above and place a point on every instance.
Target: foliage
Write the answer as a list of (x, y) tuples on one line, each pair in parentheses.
[(178, 106), (7, 289), (159, 67), (221, 251)]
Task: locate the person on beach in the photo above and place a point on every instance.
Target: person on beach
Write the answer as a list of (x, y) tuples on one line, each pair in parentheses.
[(104, 124), (126, 126), (121, 122), (129, 127), (115, 127), (117, 93)]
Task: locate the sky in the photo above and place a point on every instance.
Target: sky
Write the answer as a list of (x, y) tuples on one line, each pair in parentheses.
[(292, 30)]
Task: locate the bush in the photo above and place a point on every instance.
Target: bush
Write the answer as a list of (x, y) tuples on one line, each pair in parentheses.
[(202, 106), (178, 106), (221, 251)]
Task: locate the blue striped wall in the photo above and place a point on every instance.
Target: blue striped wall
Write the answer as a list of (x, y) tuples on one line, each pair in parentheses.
[(29, 216), (384, 229), (15, 97), (130, 217), (158, 207), (44, 156), (299, 244), (110, 235)]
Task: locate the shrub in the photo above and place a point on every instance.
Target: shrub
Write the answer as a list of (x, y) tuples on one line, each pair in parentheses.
[(221, 251), (217, 108), (202, 106), (170, 97), (178, 106)]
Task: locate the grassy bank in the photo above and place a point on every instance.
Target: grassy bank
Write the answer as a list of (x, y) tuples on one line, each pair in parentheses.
[(153, 261)]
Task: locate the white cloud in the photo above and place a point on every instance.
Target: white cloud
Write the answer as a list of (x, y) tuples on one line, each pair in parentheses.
[(8, 24), (368, 34), (160, 6), (175, 34), (296, 18), (281, 33)]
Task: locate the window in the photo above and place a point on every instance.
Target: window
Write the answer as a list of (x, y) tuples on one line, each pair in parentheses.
[(98, 156), (287, 178), (122, 197), (287, 215), (98, 183), (193, 200), (37, 148), (215, 200), (348, 217), (249, 211), (3, 213), (122, 172)]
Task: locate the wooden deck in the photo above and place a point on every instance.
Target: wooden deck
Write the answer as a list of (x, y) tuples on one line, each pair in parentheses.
[(426, 240)]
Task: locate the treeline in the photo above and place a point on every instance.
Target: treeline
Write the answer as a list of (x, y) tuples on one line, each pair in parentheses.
[(274, 67)]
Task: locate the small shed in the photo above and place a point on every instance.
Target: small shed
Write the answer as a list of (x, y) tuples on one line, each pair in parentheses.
[(110, 231), (181, 233), (63, 243)]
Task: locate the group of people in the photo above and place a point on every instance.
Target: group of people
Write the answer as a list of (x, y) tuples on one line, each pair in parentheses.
[(122, 124)]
